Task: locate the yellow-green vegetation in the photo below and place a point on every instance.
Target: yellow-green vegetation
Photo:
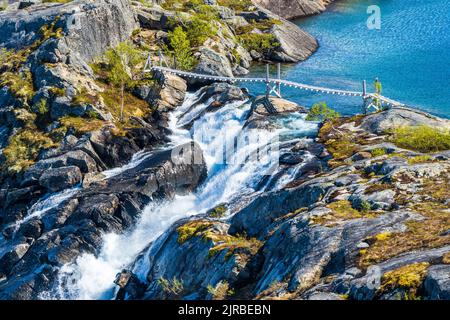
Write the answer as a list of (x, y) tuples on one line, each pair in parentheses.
[(13, 61), (201, 24), (383, 236), (446, 258), (173, 286), (409, 278), (180, 48), (262, 25), (132, 106), (341, 149), (24, 147), (205, 230), (20, 84), (378, 152), (377, 187), (41, 107), (427, 233), (221, 291), (83, 97), (218, 212), (340, 143), (192, 229), (237, 5), (419, 159), (341, 211), (260, 42), (422, 138), (292, 214), (57, 1), (81, 125), (122, 62), (321, 112), (233, 243), (57, 92)]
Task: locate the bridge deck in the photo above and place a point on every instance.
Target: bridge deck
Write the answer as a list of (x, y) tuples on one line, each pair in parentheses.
[(286, 83)]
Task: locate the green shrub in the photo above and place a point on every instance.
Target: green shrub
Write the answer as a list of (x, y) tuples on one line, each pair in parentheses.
[(199, 29), (237, 5), (173, 286), (19, 83), (260, 42), (419, 159), (262, 25), (378, 152), (181, 47), (58, 92), (41, 107), (24, 147), (422, 138), (365, 206), (321, 112)]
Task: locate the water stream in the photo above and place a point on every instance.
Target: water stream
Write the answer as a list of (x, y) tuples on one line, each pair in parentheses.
[(230, 175)]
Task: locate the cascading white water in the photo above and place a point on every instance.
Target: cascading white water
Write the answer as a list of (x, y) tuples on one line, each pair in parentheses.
[(91, 277), (47, 203)]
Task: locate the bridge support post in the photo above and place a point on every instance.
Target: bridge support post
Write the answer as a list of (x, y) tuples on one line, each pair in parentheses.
[(268, 88), (279, 78), (364, 95)]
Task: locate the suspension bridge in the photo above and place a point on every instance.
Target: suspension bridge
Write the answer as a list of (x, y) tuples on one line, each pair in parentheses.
[(274, 85)]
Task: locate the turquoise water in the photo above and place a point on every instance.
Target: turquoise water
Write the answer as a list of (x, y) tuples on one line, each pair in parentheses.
[(410, 54)]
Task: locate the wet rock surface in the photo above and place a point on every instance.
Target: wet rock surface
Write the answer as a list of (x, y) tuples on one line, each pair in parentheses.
[(341, 233), (76, 225)]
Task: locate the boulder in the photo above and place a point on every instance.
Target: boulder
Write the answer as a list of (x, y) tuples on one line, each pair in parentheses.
[(213, 63), (167, 95), (77, 226), (129, 284), (11, 257), (62, 178), (153, 17), (437, 283), (62, 106), (264, 111), (294, 44), (291, 9), (379, 123), (192, 263), (104, 23)]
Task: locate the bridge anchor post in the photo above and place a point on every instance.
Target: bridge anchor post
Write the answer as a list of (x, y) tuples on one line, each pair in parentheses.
[(268, 88), (279, 79), (364, 96)]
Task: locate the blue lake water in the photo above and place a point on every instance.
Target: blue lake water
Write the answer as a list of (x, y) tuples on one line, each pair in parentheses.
[(410, 54)]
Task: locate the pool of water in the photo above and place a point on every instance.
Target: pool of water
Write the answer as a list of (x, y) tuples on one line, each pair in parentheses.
[(410, 54)]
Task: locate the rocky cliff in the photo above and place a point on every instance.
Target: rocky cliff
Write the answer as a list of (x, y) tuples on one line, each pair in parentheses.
[(364, 219), (83, 154), (62, 126), (291, 9)]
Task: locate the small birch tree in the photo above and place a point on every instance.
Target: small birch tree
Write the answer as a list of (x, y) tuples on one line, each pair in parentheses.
[(122, 61)]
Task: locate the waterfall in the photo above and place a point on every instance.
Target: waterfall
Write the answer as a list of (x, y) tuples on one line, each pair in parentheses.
[(230, 176)]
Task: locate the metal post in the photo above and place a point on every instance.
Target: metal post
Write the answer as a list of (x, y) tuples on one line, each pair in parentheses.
[(279, 78), (364, 96), (267, 81)]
